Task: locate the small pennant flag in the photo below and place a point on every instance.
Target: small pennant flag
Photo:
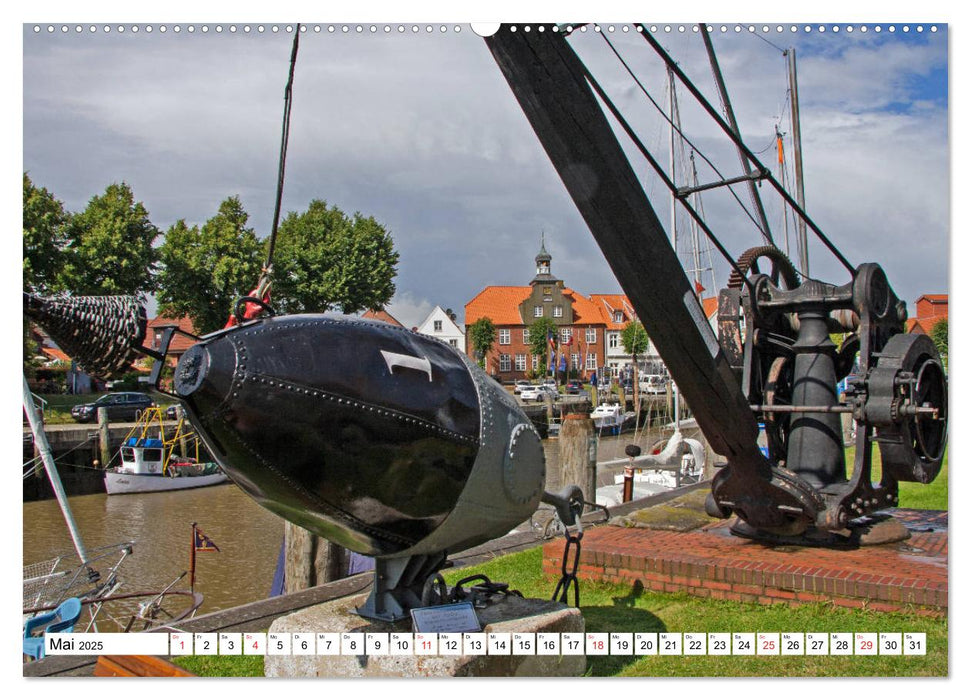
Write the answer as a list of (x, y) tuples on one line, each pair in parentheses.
[(202, 543)]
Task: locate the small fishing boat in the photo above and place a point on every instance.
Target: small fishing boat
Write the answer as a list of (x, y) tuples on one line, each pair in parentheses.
[(610, 417), (150, 464)]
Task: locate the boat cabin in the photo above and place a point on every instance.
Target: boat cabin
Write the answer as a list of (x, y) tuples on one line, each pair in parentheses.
[(142, 456)]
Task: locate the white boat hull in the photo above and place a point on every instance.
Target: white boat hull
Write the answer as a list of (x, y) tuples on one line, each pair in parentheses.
[(117, 483)]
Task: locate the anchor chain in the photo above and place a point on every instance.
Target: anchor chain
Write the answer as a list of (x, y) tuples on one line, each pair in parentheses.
[(568, 569)]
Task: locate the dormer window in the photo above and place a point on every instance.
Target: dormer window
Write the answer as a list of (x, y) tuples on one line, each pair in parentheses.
[(618, 316)]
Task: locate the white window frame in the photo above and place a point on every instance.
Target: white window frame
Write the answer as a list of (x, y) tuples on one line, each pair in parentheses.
[(613, 341), (525, 336), (565, 335), (575, 360), (520, 362), (535, 362), (537, 312), (558, 311), (505, 337), (591, 360), (591, 335), (437, 325), (505, 362)]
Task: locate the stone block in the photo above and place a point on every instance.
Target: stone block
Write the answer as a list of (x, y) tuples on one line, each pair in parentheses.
[(511, 615)]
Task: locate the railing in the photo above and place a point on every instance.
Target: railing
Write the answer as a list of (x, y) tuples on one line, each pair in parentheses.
[(38, 401)]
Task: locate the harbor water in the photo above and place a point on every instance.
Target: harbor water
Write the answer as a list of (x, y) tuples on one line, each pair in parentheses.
[(249, 537)]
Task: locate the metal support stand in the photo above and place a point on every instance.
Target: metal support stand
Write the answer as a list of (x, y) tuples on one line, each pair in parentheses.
[(398, 584)]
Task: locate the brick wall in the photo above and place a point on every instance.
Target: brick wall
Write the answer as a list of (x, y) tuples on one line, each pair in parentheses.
[(711, 563)]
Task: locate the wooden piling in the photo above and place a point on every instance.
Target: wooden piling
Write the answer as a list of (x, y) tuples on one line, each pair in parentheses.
[(578, 454), (183, 443), (104, 437), (310, 560)]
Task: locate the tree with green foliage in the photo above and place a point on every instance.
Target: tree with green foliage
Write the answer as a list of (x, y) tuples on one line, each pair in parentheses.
[(205, 271), (45, 237), (539, 343), (482, 336), (324, 259), (939, 336), (110, 246), (634, 339)]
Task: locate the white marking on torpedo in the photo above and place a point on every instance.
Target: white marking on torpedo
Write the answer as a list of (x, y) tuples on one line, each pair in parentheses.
[(422, 364)]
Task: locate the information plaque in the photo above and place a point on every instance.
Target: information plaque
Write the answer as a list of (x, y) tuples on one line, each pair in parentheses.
[(457, 617)]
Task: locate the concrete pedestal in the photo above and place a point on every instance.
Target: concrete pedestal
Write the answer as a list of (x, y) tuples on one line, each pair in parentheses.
[(509, 615)]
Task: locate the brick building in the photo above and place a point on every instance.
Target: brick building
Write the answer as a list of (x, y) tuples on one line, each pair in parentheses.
[(582, 323), (929, 310)]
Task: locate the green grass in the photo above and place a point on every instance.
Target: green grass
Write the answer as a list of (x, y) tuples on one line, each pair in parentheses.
[(932, 496), (614, 608), (222, 666)]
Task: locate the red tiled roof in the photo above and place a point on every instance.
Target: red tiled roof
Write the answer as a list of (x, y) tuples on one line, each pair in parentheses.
[(381, 315), (584, 310), (180, 343), (608, 304), (934, 298), (56, 354), (499, 304)]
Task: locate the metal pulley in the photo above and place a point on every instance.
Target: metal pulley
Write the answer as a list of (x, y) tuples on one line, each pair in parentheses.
[(906, 400)]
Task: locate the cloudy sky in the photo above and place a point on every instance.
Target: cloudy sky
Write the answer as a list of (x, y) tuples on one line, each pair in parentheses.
[(420, 130)]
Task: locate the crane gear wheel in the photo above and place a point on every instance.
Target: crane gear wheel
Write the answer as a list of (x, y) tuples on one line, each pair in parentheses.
[(782, 269)]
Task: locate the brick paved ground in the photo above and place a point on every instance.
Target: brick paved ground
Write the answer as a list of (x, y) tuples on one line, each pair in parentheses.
[(710, 562)]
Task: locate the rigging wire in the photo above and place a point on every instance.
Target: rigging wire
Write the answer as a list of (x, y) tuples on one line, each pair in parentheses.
[(759, 36), (653, 43), (660, 172), (678, 130)]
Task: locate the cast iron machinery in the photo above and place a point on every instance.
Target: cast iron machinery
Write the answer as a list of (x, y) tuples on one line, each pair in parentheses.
[(773, 360)]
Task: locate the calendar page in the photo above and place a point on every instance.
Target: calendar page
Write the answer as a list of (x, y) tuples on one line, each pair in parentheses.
[(403, 175)]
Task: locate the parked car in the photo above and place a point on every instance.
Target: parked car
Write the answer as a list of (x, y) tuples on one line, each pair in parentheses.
[(122, 406), (171, 412), (520, 385), (574, 387), (532, 392)]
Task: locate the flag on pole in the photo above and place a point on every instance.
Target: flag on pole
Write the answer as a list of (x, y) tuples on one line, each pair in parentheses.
[(201, 541)]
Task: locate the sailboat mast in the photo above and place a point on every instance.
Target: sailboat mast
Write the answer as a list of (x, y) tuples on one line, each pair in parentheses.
[(801, 243), (674, 217), (40, 440), (673, 175), (782, 179), (733, 124)]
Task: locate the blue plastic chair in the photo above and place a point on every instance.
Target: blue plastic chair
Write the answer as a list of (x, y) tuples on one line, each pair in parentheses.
[(61, 619)]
